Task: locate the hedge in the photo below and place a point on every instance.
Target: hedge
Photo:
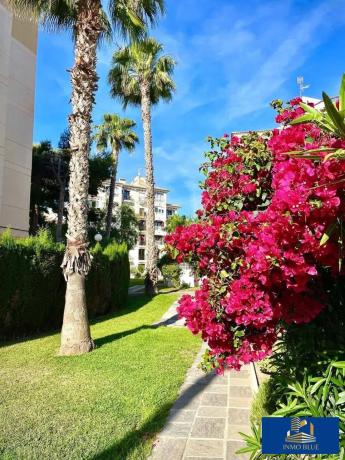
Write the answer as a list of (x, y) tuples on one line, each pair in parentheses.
[(32, 288)]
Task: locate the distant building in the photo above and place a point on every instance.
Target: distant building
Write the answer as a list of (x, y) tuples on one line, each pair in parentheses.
[(134, 194), (18, 41), (318, 104)]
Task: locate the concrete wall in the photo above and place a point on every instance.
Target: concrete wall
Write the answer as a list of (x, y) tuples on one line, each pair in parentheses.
[(18, 40)]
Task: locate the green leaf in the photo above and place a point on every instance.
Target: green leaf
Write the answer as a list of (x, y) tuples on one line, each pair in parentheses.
[(307, 108), (339, 364), (307, 117), (317, 386), (328, 233), (337, 382), (337, 155), (335, 116), (342, 94), (245, 450), (341, 400), (325, 393)]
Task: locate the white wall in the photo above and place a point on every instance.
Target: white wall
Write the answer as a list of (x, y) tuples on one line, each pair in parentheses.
[(17, 85)]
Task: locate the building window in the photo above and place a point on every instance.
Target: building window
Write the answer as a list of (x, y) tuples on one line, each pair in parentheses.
[(159, 239), (141, 254), (159, 198), (142, 240), (159, 225), (142, 212), (126, 194), (142, 225), (169, 212)]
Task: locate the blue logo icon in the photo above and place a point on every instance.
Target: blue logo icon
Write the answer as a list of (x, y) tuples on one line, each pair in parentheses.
[(300, 435)]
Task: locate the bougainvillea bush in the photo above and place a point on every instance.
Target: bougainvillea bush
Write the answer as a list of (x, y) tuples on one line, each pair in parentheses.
[(262, 241)]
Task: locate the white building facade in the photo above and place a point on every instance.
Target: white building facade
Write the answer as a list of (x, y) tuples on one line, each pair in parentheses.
[(18, 42), (134, 195)]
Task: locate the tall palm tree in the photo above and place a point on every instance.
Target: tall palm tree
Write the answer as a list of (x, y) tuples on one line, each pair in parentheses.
[(88, 22), (141, 75), (115, 132)]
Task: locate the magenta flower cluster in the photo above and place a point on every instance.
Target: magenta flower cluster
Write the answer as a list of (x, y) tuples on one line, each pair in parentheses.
[(260, 269)]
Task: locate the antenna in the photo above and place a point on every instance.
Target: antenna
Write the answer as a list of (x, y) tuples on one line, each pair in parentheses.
[(301, 85)]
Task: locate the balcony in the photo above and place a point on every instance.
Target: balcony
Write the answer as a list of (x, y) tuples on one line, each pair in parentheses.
[(142, 240), (160, 231)]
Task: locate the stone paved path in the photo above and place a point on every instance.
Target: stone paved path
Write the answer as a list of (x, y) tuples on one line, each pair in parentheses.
[(137, 289), (170, 318), (204, 422)]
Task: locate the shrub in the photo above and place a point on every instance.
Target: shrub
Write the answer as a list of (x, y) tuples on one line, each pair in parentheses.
[(32, 293), (171, 274), (140, 271), (263, 240), (320, 396)]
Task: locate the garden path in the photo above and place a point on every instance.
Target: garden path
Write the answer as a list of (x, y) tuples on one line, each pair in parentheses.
[(211, 409), (137, 289)]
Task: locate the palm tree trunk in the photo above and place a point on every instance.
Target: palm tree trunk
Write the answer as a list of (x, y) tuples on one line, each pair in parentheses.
[(75, 334), (151, 276), (60, 211), (112, 192)]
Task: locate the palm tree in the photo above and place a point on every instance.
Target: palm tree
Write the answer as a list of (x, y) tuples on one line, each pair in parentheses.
[(88, 22), (141, 75), (117, 133)]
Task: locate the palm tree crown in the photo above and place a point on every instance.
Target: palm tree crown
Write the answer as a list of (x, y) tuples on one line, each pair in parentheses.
[(115, 132), (141, 62), (124, 17)]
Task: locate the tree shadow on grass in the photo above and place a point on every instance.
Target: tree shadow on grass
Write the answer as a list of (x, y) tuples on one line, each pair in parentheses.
[(134, 303), (124, 447), (120, 335)]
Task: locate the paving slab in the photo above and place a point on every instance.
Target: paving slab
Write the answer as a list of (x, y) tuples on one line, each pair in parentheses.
[(231, 449), (168, 448), (204, 448), (207, 427)]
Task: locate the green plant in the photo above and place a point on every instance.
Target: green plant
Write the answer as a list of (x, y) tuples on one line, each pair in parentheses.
[(322, 396), (265, 365), (330, 119), (261, 405), (171, 274), (140, 271)]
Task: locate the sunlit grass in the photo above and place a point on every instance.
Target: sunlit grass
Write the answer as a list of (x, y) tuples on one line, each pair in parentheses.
[(104, 405)]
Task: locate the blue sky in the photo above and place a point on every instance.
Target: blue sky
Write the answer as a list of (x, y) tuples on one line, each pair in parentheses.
[(232, 58)]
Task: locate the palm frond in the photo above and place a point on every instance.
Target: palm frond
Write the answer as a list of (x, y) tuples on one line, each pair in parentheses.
[(130, 18), (138, 62), (52, 14), (115, 131)]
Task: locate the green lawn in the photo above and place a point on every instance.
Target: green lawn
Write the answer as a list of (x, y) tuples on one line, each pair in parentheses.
[(107, 404), (136, 281)]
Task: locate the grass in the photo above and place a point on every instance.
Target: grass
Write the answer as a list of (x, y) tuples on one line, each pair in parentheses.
[(107, 404), (262, 404), (136, 282)]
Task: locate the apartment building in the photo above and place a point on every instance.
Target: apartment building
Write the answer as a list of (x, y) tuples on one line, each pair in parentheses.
[(134, 194), (18, 42)]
